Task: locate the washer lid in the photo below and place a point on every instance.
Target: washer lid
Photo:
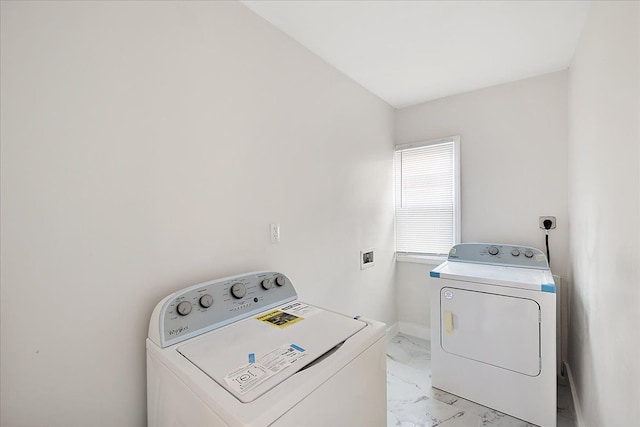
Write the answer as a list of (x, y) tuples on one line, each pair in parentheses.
[(252, 356), (512, 277)]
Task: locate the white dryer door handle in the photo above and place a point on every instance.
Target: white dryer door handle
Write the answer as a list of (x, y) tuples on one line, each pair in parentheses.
[(448, 322)]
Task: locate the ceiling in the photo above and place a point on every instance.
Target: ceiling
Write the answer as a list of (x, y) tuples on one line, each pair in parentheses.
[(408, 52)]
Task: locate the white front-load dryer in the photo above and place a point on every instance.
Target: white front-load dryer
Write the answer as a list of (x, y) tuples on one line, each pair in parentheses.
[(243, 351), (493, 329)]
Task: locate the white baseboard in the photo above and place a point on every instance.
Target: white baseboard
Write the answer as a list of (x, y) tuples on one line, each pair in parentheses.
[(574, 396), (392, 331), (415, 330)]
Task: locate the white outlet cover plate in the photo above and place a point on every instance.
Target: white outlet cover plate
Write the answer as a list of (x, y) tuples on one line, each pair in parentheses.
[(543, 218), (275, 233)]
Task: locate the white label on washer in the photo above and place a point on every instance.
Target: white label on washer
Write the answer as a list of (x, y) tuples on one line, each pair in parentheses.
[(299, 309), (247, 377)]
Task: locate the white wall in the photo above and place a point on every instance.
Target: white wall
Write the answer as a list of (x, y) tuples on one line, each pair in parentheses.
[(513, 150), (146, 147), (414, 310), (604, 190)]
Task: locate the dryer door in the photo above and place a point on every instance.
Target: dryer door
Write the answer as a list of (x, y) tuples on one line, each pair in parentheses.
[(499, 330)]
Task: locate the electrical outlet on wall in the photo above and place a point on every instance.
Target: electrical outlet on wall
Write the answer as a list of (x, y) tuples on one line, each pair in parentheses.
[(547, 218), (275, 233)]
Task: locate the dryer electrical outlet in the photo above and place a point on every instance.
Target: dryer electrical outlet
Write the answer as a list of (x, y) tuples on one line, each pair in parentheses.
[(542, 219)]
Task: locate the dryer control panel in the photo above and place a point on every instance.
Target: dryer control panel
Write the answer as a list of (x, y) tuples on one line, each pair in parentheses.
[(498, 254), (210, 305)]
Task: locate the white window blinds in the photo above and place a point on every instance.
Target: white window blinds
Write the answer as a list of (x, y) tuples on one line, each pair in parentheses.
[(427, 196)]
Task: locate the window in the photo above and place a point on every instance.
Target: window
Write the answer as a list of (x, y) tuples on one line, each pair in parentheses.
[(427, 176)]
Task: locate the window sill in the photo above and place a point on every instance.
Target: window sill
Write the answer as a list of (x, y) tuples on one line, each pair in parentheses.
[(420, 259)]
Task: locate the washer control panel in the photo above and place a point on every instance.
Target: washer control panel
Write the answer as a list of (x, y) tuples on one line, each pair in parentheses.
[(498, 254), (210, 305)]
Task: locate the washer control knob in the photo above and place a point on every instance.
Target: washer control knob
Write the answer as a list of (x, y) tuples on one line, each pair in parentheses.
[(528, 253), (238, 290), (206, 301), (515, 252), (280, 280), (493, 250), (266, 284), (184, 308)]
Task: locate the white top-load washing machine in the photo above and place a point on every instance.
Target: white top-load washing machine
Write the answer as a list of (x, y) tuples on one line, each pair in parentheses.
[(493, 329), (243, 351)]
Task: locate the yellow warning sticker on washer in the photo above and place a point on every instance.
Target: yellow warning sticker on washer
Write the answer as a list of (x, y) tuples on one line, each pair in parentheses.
[(279, 319)]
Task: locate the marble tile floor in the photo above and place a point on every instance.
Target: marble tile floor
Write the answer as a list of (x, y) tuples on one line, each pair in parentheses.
[(412, 402)]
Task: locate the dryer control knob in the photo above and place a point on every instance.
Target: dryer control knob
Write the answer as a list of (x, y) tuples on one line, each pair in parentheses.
[(238, 290), (528, 253), (206, 301), (515, 252), (184, 308), (266, 284), (493, 250), (280, 280)]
